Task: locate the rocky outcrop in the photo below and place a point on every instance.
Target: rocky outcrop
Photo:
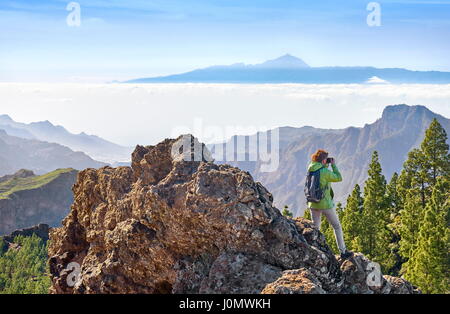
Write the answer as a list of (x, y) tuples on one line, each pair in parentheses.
[(359, 275), (175, 222), (295, 281), (31, 200)]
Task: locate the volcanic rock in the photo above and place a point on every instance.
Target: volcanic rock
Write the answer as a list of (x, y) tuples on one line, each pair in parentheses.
[(175, 222)]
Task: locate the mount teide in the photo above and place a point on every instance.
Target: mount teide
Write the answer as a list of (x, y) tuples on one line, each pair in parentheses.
[(290, 69), (400, 129)]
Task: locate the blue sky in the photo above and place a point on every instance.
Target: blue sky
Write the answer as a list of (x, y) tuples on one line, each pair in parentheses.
[(135, 38)]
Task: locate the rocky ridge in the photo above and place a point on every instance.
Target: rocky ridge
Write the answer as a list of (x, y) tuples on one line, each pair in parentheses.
[(27, 200), (41, 231), (175, 222)]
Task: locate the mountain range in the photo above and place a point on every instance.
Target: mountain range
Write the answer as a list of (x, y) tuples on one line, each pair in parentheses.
[(41, 157), (400, 129), (290, 69), (94, 146)]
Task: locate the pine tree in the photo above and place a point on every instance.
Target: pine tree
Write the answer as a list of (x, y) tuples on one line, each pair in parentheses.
[(420, 172), (435, 150), (339, 209), (286, 212), (426, 163), (307, 214), (23, 270), (352, 219), (410, 218), (429, 264), (413, 177), (375, 237), (394, 204), (392, 195)]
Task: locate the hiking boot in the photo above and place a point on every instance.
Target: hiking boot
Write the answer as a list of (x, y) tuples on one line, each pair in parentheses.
[(346, 254)]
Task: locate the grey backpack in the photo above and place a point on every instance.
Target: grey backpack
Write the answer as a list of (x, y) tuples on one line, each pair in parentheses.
[(313, 192)]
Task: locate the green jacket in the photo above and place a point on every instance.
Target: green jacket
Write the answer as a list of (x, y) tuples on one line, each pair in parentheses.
[(326, 177)]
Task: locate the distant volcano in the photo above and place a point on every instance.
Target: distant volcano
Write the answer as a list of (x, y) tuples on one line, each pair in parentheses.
[(290, 69), (284, 62)]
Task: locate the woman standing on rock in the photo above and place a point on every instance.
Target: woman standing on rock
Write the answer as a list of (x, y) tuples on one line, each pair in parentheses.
[(319, 165)]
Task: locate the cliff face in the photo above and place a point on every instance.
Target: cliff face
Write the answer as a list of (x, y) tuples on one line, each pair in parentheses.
[(32, 200), (167, 225)]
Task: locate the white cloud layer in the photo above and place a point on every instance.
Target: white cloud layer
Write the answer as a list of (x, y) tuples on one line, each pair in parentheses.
[(146, 113)]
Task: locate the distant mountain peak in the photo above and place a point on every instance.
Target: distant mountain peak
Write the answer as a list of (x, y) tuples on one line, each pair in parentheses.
[(5, 118), (290, 69), (401, 109), (46, 122), (283, 62), (95, 146)]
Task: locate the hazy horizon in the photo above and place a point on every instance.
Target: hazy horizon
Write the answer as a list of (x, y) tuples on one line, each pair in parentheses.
[(130, 114)]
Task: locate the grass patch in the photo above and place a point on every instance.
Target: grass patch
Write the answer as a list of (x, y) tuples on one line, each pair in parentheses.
[(21, 184)]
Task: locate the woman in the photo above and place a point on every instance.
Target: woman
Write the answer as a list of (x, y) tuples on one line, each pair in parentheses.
[(326, 205)]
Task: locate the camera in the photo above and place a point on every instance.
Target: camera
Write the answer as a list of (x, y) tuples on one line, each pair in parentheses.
[(329, 160)]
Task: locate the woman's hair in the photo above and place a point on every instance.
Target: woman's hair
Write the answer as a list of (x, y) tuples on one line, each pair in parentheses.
[(319, 156)]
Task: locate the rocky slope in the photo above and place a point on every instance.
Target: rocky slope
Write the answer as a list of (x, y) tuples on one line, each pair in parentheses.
[(400, 129), (170, 224), (31, 200)]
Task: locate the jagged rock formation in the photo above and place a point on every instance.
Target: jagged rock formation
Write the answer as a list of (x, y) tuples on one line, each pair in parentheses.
[(355, 278), (171, 225), (27, 200)]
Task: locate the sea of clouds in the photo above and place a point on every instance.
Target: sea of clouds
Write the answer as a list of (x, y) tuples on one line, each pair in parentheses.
[(129, 114)]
